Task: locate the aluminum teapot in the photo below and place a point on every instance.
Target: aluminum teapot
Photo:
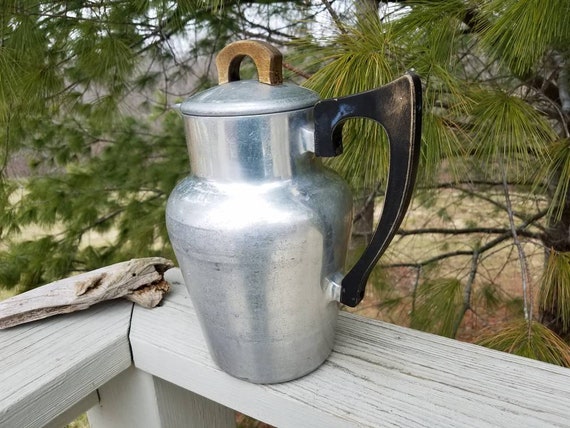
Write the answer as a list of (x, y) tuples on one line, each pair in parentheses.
[(261, 228)]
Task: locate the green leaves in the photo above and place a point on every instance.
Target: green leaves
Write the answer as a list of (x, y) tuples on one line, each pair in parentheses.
[(26, 262), (106, 59), (442, 140), (435, 29)]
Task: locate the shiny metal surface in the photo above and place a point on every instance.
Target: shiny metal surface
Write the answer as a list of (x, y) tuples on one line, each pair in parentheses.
[(248, 97), (257, 230), (261, 229), (249, 148)]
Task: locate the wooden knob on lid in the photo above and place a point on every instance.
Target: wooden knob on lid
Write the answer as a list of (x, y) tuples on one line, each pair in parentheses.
[(266, 57)]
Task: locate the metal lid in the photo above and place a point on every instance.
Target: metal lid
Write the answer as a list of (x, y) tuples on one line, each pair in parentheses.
[(248, 97), (235, 97)]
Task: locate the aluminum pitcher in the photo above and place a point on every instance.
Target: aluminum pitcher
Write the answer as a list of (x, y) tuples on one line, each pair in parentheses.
[(261, 228)]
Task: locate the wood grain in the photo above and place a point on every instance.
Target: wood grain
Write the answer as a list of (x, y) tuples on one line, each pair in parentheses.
[(137, 399), (378, 375), (138, 280), (50, 370), (266, 57)]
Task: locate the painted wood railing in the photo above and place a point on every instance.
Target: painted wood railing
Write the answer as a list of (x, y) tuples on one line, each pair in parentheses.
[(133, 367)]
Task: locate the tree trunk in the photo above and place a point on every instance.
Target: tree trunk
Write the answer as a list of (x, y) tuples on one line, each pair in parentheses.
[(557, 238)]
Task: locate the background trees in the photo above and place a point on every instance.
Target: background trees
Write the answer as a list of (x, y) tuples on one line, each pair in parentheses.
[(89, 142), (84, 98)]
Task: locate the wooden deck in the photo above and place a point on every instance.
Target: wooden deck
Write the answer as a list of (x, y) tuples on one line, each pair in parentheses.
[(135, 367)]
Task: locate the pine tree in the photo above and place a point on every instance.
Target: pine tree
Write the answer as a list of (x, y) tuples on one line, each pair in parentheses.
[(496, 116), (495, 141), (86, 94)]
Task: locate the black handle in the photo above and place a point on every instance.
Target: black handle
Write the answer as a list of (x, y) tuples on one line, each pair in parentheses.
[(397, 107)]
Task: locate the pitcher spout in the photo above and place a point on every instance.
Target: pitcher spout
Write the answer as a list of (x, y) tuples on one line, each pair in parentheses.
[(307, 137), (332, 286), (176, 107)]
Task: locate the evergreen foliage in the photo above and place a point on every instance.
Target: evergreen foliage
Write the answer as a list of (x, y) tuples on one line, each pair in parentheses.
[(529, 339), (85, 96), (496, 117)]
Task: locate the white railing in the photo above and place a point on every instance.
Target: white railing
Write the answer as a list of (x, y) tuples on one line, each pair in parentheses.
[(133, 367)]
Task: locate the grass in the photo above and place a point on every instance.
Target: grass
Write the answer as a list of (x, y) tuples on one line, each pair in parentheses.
[(5, 294), (80, 422)]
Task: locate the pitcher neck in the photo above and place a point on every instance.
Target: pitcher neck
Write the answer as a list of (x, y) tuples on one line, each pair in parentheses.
[(249, 148)]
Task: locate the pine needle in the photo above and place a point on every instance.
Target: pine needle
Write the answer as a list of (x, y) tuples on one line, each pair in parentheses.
[(363, 58), (437, 306), (518, 32), (556, 173), (532, 340), (554, 297), (507, 129)]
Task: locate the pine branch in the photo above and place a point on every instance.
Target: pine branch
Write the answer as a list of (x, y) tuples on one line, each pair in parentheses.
[(467, 292), (369, 201), (522, 256), (481, 250), (503, 207), (6, 149), (467, 231), (557, 114), (268, 30), (471, 183), (563, 82), (296, 70), (99, 222), (334, 16)]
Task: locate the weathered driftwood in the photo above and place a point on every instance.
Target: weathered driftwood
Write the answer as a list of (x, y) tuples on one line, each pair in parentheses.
[(138, 280)]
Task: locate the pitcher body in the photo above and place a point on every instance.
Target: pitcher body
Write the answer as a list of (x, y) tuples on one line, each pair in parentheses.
[(254, 255), (260, 228)]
